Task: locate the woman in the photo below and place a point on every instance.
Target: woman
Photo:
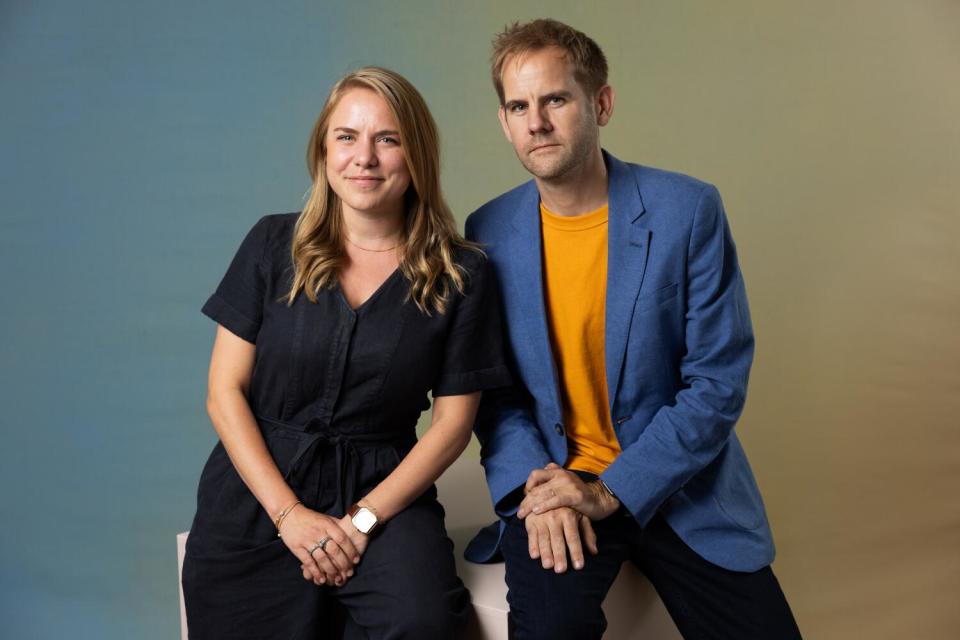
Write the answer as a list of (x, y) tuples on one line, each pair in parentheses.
[(333, 325)]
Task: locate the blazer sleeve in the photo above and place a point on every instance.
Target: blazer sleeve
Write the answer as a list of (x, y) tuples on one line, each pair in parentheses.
[(510, 442), (686, 436)]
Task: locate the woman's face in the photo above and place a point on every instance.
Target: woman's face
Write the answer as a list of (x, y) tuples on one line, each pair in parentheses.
[(365, 164)]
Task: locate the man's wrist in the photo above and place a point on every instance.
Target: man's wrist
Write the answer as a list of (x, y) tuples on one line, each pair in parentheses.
[(605, 495), (606, 489)]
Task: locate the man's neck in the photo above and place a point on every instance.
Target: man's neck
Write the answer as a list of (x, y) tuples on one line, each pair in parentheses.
[(581, 190)]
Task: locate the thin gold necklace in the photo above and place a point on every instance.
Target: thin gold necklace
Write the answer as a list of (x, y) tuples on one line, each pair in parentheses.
[(370, 250)]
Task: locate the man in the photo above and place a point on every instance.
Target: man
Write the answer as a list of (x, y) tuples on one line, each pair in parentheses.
[(631, 345)]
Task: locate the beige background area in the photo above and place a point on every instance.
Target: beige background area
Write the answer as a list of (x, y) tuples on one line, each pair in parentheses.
[(833, 132)]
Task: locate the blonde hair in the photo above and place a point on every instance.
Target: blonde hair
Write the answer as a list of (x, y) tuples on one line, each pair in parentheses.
[(430, 239), (585, 55)]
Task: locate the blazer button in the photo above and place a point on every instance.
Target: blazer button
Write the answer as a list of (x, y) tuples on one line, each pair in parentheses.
[(558, 428)]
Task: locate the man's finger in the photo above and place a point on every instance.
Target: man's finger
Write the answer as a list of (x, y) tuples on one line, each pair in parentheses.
[(557, 545), (536, 477), (588, 535), (546, 551), (572, 534), (533, 540), (543, 501)]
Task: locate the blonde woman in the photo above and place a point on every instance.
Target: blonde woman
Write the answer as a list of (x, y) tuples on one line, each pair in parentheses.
[(333, 326)]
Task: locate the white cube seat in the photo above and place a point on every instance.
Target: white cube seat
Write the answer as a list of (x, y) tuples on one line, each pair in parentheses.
[(632, 607)]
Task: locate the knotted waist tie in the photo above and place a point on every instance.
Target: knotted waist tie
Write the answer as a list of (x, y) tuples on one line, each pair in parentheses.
[(315, 437)]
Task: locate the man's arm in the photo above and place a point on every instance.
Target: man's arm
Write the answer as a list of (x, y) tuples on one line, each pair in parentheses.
[(685, 437), (510, 446), (510, 442)]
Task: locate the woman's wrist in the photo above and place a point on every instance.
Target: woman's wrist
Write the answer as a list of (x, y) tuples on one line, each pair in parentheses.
[(364, 517), (281, 515)]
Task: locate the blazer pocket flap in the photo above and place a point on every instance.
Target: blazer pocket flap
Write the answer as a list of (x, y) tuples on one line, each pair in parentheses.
[(657, 296)]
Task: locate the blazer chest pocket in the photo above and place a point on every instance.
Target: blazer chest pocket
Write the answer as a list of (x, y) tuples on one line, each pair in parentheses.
[(656, 297)]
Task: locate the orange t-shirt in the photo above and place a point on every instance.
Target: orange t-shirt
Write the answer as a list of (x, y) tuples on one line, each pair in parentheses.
[(575, 280)]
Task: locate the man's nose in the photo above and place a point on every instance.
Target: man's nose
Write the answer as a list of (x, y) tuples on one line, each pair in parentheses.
[(538, 122)]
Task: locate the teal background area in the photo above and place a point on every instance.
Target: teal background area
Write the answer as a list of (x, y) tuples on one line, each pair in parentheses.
[(139, 141)]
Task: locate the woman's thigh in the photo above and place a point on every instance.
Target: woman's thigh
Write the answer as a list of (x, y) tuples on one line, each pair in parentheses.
[(256, 593), (406, 585)]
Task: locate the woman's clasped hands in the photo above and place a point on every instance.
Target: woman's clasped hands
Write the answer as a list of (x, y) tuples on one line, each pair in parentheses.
[(328, 548)]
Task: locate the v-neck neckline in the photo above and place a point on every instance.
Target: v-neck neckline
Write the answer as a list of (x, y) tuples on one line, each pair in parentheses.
[(360, 307)]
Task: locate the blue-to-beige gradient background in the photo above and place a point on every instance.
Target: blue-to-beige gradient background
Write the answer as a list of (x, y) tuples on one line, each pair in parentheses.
[(139, 141)]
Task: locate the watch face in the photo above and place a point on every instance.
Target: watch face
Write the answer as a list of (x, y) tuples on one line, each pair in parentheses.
[(364, 520)]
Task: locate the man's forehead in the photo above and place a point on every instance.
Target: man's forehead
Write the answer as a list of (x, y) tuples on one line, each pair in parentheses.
[(549, 64)]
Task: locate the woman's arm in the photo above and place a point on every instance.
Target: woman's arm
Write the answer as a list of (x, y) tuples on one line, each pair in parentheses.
[(231, 369), (446, 439)]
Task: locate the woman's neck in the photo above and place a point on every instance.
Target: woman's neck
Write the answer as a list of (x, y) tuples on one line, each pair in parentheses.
[(379, 232)]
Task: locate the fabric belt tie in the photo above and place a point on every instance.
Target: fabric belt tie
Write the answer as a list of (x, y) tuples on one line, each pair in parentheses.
[(316, 436)]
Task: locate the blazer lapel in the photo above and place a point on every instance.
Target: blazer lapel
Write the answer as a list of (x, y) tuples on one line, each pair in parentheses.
[(627, 249), (526, 269)]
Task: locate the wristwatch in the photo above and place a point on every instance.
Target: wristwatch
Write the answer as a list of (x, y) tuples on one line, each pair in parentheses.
[(606, 488), (364, 518)]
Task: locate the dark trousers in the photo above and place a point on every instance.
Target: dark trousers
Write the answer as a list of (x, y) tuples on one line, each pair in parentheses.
[(704, 600), (405, 586)]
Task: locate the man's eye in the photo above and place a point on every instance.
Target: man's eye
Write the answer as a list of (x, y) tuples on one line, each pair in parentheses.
[(556, 100), (516, 108)]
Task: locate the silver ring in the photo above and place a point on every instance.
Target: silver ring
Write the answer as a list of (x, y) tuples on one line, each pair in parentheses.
[(320, 544)]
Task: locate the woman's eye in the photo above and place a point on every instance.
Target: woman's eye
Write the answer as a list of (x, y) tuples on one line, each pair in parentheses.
[(345, 137), (389, 140)]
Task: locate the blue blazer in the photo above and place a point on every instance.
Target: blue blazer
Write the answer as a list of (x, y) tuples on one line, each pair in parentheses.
[(678, 350)]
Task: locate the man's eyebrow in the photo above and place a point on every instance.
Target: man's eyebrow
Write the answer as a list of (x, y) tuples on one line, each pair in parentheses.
[(566, 95)]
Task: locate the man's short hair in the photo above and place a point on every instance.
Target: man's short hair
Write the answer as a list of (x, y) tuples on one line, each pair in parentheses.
[(589, 63)]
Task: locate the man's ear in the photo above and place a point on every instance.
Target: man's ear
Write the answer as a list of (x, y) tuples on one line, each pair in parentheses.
[(502, 116), (604, 104)]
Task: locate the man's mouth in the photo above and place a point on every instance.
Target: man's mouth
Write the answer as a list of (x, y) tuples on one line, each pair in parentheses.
[(544, 146)]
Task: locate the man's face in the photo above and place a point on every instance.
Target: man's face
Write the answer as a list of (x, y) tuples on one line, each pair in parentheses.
[(547, 116)]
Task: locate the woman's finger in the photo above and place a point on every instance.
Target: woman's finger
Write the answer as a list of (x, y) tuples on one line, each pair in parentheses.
[(339, 559), (310, 565), (332, 574), (344, 542)]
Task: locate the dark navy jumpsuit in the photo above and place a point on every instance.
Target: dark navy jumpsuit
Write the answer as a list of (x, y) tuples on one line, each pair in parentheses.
[(337, 393)]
